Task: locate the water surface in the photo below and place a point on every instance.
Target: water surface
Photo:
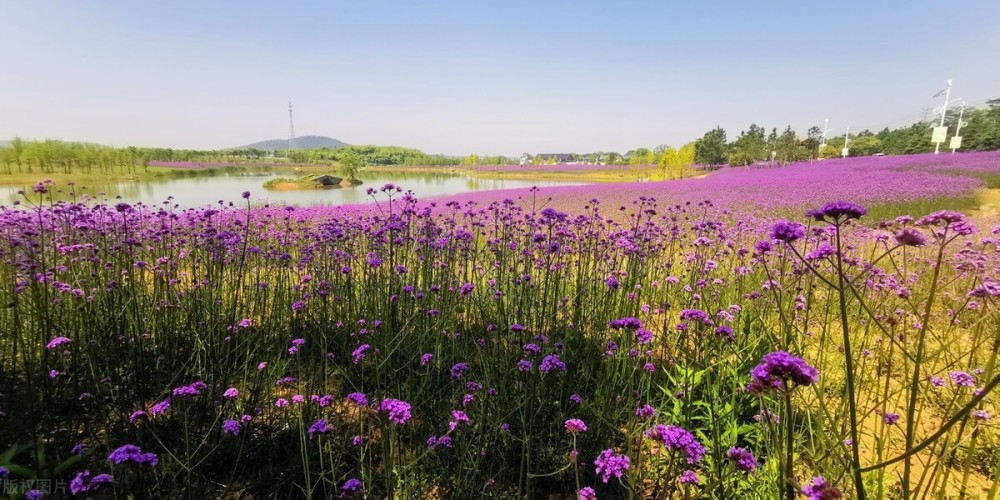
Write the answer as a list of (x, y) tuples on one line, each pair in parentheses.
[(210, 188)]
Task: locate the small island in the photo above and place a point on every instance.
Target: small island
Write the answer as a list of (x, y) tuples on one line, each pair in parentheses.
[(349, 166)]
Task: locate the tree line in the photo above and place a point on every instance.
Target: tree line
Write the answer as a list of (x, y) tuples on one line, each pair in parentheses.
[(980, 132)]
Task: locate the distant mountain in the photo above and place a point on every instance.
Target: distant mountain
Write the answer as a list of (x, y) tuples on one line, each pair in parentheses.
[(303, 142)]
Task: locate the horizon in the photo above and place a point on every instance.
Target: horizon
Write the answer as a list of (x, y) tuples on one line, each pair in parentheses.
[(536, 78)]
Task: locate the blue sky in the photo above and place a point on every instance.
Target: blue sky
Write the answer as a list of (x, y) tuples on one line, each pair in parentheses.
[(480, 76)]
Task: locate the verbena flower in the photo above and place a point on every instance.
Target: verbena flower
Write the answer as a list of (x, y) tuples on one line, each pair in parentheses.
[(587, 493), (643, 336), (689, 477), (575, 426), (56, 342), (962, 379), (780, 367), (609, 463), (399, 411), (911, 237), (131, 453), (83, 482), (787, 231), (820, 489), (358, 398), (230, 393), (678, 439), (742, 459), (837, 211), (890, 418), (629, 323), (190, 390), (160, 407), (318, 427), (231, 427), (551, 362)]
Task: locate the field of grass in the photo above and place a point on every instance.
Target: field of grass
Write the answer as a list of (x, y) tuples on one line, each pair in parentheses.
[(701, 338)]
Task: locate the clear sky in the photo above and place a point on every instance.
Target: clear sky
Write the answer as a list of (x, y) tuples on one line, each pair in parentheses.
[(481, 76)]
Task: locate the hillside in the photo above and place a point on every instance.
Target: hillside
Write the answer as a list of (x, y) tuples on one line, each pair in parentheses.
[(303, 142)]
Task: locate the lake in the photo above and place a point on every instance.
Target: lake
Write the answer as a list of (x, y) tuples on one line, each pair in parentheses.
[(206, 188)]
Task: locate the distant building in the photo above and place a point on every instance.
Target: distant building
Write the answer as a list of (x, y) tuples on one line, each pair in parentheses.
[(526, 158)]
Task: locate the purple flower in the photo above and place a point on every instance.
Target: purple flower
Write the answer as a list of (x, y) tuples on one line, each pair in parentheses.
[(629, 323), (911, 237), (131, 453), (727, 332), (678, 439), (359, 353), (551, 362), (231, 427), (611, 464), (613, 284), (936, 381), (467, 289), (399, 411), (458, 370), (33, 494), (779, 367), (3, 472), (426, 359), (353, 484), (160, 407), (742, 459), (643, 336), (981, 415), (587, 493), (232, 392), (575, 426), (689, 477), (646, 412), (83, 482), (190, 390), (819, 489), (136, 415), (962, 379), (358, 398), (56, 342), (787, 231), (838, 210), (823, 251), (318, 427), (524, 365), (575, 399)]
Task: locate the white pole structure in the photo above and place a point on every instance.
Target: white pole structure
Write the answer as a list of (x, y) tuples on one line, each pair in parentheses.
[(944, 110), (291, 130), (957, 139), (847, 142), (826, 127)]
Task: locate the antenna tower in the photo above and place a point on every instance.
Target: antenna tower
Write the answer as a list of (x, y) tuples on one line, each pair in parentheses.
[(291, 128)]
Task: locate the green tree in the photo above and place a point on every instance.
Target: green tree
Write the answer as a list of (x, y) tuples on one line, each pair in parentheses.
[(749, 147), (350, 165), (712, 148)]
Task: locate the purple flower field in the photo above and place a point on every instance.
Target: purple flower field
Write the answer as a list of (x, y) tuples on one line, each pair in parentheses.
[(871, 180), (821, 330)]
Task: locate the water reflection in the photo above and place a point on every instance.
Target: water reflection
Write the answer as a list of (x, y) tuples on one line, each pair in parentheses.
[(204, 188)]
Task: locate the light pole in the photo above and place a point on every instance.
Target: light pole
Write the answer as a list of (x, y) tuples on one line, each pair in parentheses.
[(941, 131), (956, 141)]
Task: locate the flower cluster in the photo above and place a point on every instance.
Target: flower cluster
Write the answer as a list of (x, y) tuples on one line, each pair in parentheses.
[(778, 368)]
